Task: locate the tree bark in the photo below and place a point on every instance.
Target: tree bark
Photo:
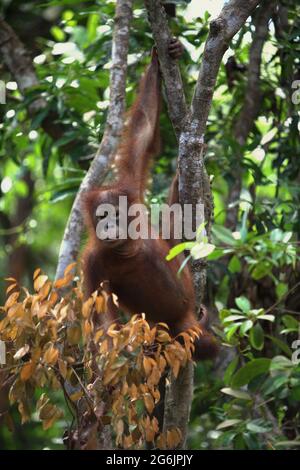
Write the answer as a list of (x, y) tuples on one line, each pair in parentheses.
[(194, 184), (162, 36), (18, 61)]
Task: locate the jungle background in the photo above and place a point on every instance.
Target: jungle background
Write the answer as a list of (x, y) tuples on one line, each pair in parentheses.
[(249, 398)]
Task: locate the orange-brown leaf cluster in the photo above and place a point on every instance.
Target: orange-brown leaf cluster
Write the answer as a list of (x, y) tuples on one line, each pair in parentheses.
[(109, 374)]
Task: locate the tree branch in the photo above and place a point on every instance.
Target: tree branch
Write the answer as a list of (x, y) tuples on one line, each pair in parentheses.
[(19, 63), (176, 101), (16, 58), (222, 29), (71, 240), (194, 186)]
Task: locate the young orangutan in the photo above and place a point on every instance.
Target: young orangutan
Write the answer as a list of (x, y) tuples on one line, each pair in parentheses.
[(137, 270)]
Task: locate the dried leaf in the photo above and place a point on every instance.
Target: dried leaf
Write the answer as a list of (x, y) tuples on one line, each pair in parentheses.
[(11, 287), (36, 273), (63, 369), (100, 304), (69, 268), (87, 328), (21, 352), (51, 355), (11, 300), (27, 371), (74, 334), (65, 281), (87, 307), (147, 364), (149, 402), (173, 438), (76, 396), (39, 282)]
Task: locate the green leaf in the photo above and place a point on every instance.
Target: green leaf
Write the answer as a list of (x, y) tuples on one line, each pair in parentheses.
[(58, 33), (92, 24), (253, 427), (281, 289), (267, 317), (249, 371), (244, 230), (231, 318), (261, 270), (232, 330), (183, 265), (216, 254), (281, 363), (228, 423), (275, 383), (224, 235), (257, 337), (202, 250), (176, 250), (243, 304), (276, 235), (235, 265), (290, 322), (288, 444), (295, 393), (200, 232), (283, 346), (230, 370), (246, 325), (287, 237), (236, 393)]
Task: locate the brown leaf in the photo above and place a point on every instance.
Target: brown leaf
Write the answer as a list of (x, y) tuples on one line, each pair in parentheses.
[(149, 402), (63, 369), (44, 291), (69, 268), (100, 304), (16, 311), (27, 371), (74, 334), (36, 273), (147, 364), (65, 281), (21, 352), (11, 287), (51, 355), (163, 337), (173, 438), (10, 279), (161, 442), (109, 375), (87, 328), (87, 307), (39, 282), (12, 299), (76, 396)]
